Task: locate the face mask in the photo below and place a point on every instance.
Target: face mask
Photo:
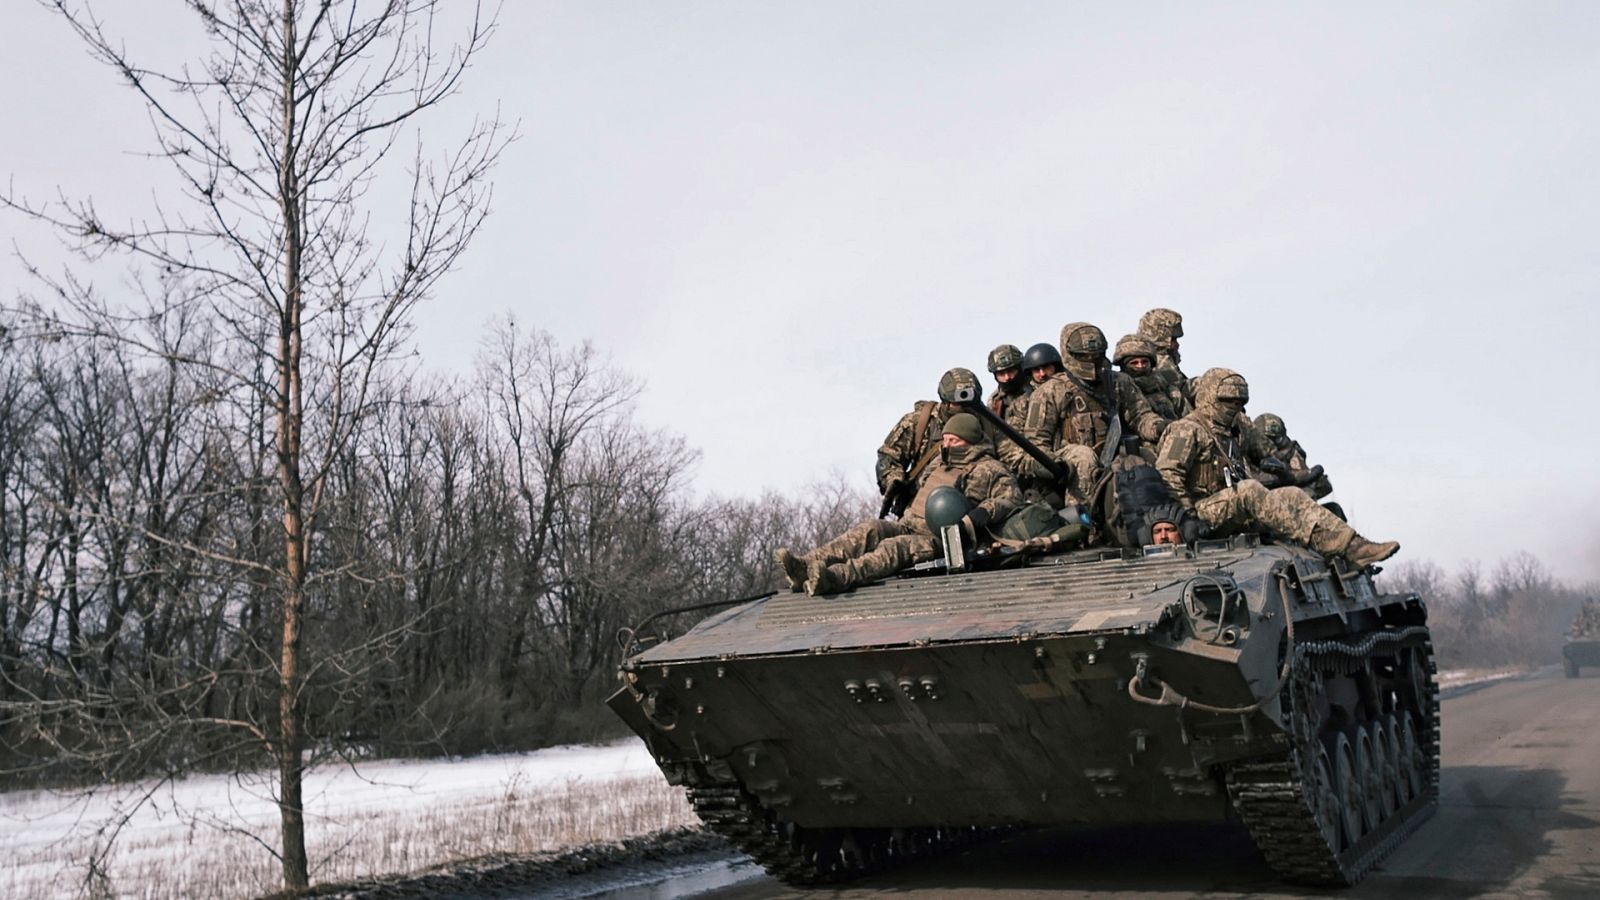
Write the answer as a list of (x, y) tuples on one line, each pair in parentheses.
[(1085, 369)]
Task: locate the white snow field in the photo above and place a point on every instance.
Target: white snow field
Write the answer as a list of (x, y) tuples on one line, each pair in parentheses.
[(213, 835)]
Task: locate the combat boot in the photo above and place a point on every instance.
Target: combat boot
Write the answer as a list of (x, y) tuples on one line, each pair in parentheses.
[(821, 580), (1362, 553), (794, 568)]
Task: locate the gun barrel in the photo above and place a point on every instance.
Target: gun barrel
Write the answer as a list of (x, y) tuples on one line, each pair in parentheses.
[(977, 408)]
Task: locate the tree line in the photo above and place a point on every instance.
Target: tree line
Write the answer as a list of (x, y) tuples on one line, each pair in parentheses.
[(481, 542)]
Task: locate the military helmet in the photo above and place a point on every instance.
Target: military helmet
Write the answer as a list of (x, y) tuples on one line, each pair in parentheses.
[(953, 382), (965, 426), (1133, 345), (1082, 340), (945, 506), (1041, 355), (1161, 326), (1272, 426), (1221, 386), (1005, 356)]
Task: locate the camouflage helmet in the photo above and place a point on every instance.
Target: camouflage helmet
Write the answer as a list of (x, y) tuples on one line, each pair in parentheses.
[(945, 506), (1221, 386), (1082, 340), (1041, 355), (952, 383), (1133, 345), (965, 426), (1005, 356), (1161, 326), (1272, 426)]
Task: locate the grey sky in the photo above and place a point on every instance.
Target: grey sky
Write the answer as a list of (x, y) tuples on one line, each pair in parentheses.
[(790, 219)]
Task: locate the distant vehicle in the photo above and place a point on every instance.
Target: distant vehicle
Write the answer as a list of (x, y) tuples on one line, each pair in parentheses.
[(831, 736), (1583, 640)]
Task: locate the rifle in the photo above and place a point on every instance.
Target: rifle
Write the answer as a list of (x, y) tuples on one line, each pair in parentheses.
[(899, 494)]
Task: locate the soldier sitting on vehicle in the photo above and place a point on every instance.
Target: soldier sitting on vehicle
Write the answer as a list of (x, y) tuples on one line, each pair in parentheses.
[(1081, 415), (914, 441), (1136, 357), (877, 548), (1010, 398), (1283, 460), (1201, 459)]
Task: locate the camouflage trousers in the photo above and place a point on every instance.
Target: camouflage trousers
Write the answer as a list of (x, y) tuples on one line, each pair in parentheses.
[(874, 549), (1286, 513), (1083, 471)]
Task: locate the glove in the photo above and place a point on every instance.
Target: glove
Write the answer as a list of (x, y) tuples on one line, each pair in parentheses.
[(1309, 476), (1274, 465), (891, 480), (1192, 528), (1042, 471)]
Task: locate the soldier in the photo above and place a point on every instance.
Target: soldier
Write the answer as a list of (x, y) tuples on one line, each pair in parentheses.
[(1163, 327), (1040, 362), (877, 548), (1201, 459), (1274, 443), (1005, 364), (1136, 357), (1079, 416), (1010, 398), (914, 440)]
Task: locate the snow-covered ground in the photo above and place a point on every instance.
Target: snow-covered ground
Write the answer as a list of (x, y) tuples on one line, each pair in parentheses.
[(213, 835), (210, 835)]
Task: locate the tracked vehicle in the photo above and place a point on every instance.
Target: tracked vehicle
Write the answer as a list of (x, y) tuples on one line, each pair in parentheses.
[(1223, 680)]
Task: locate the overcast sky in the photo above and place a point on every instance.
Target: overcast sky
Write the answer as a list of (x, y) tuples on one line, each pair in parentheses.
[(789, 219)]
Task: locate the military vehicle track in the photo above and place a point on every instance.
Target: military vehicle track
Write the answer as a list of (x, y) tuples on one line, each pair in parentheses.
[(812, 856), (1341, 798)]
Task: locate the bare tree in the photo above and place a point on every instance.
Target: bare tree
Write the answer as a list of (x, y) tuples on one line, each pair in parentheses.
[(282, 138)]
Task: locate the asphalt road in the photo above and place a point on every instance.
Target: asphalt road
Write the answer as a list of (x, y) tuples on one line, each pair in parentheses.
[(1519, 817)]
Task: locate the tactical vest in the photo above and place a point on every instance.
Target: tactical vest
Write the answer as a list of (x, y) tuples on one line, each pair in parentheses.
[(1217, 456), (937, 476), (1084, 417)]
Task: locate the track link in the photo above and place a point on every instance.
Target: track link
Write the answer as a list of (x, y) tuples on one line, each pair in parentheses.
[(1295, 806), (812, 856)]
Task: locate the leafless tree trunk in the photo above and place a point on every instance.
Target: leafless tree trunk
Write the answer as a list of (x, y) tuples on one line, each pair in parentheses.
[(277, 138)]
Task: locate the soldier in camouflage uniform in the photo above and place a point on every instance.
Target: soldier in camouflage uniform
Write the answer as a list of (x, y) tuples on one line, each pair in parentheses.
[(877, 548), (1010, 398), (1274, 443), (1136, 357), (1080, 415), (1202, 457), (1039, 363), (1163, 327), (914, 440)]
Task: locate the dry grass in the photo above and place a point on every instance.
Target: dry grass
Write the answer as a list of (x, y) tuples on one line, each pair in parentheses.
[(214, 863)]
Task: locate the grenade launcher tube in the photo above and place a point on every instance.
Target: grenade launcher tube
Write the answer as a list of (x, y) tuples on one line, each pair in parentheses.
[(968, 400)]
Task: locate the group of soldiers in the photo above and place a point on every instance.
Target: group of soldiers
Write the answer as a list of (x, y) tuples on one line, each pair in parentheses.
[(1135, 454)]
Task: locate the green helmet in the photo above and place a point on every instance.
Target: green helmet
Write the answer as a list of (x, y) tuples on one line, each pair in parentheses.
[(1272, 426), (1161, 326), (1131, 346), (1005, 356), (956, 382), (946, 506)]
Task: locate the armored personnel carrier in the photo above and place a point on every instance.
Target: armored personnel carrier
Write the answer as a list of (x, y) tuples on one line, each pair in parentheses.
[(1221, 680), (1583, 640)]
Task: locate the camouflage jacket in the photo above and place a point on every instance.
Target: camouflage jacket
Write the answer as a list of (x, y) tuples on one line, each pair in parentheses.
[(917, 432), (1061, 413), (1164, 397), (1194, 459), (1177, 382), (1013, 410), (977, 474)]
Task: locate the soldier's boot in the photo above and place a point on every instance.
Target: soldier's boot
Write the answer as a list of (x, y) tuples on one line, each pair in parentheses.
[(1362, 552), (794, 568), (823, 579)]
